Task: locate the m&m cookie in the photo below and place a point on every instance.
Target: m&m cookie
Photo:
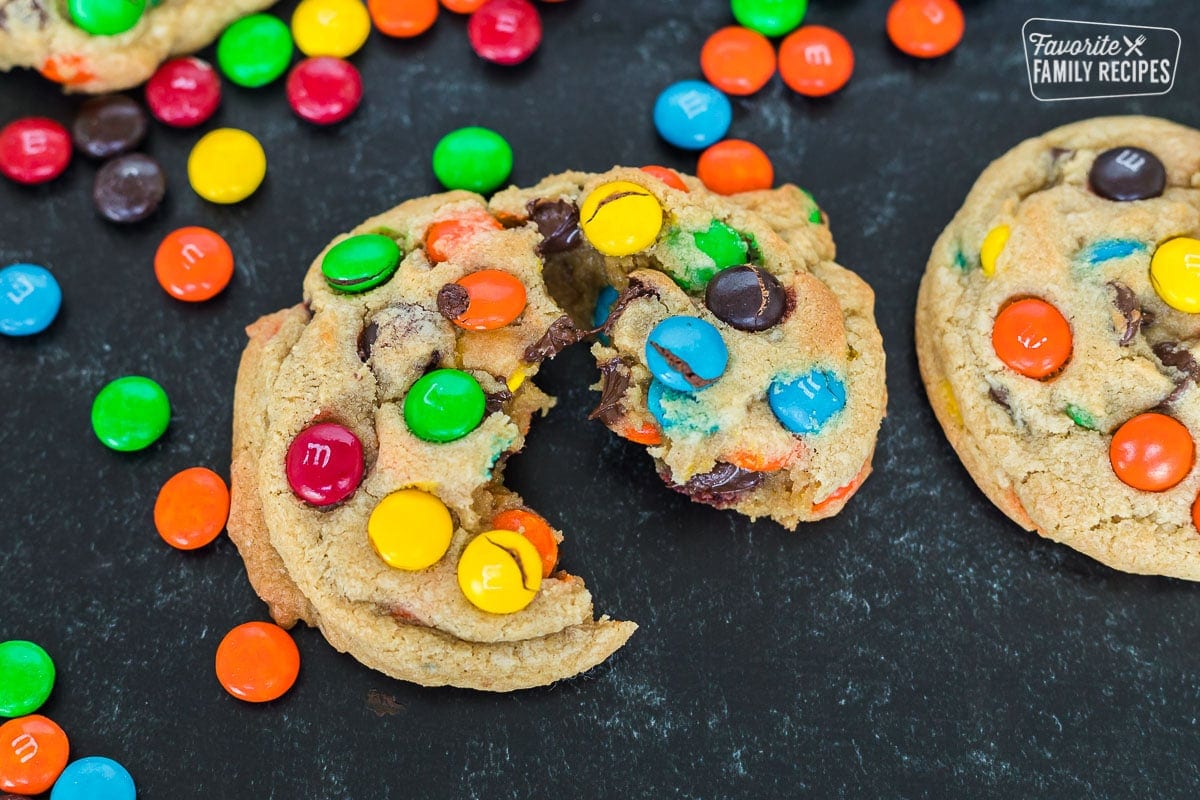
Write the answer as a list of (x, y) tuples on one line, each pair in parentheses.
[(1057, 328)]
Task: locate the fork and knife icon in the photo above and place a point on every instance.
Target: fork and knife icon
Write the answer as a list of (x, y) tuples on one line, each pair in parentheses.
[(1132, 47)]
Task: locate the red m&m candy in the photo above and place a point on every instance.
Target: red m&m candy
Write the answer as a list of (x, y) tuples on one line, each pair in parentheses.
[(184, 92), (324, 464), (505, 31), (1152, 452), (324, 90), (1032, 338), (815, 61), (34, 150)]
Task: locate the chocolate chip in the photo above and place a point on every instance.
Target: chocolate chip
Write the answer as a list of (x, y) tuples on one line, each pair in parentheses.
[(1178, 357), (129, 188), (616, 382), (494, 401), (1127, 173), (558, 222), (748, 298), (1131, 310), (366, 340), (1000, 397), (721, 486), (561, 334), (453, 301), (1060, 153), (108, 126)]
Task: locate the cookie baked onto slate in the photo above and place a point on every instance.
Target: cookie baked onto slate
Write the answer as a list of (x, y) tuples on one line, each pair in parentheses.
[(1057, 330), (41, 34), (372, 422)]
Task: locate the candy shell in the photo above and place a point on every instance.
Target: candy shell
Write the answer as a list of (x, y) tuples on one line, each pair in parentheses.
[(130, 413), (94, 778), (184, 92), (620, 218), (410, 529), (444, 405), (30, 299), (34, 150), (257, 662), (815, 61), (805, 403), (337, 28), (26, 678), (361, 262), (324, 90), (686, 354), (692, 114), (505, 32), (226, 166), (500, 572), (473, 158), (734, 166)]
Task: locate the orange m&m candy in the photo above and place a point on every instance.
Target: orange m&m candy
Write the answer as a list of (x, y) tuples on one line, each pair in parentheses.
[(1152, 452), (257, 662), (1196, 513), (1032, 338), (193, 264), (483, 301), (403, 18), (443, 238), (734, 166), (646, 434), (668, 176), (536, 530), (33, 753), (925, 28), (463, 6), (737, 60), (191, 508), (815, 61)]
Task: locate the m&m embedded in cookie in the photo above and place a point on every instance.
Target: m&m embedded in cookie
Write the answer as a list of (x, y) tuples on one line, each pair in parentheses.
[(686, 354), (360, 263), (620, 218), (747, 298), (324, 464), (1032, 338), (1175, 273), (1152, 452), (483, 300), (410, 529), (805, 403), (1127, 173), (500, 572)]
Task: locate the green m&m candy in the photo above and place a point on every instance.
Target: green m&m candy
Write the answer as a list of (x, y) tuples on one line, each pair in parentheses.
[(106, 17), (723, 245), (130, 413), (769, 17), (255, 50), (26, 678), (444, 405), (475, 159), (360, 263)]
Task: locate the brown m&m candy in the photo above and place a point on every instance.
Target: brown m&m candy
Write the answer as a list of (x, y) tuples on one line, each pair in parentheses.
[(746, 297), (129, 188), (108, 126), (1127, 173)]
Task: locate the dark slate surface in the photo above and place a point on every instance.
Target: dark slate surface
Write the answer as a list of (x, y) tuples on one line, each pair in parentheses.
[(917, 645)]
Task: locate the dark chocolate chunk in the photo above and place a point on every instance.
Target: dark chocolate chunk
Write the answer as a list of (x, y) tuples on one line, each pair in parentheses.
[(681, 366), (748, 298), (1178, 357), (453, 301), (1000, 397), (1127, 173), (1131, 310), (1060, 153), (616, 382), (129, 188), (634, 291), (558, 222), (721, 486), (366, 340), (494, 401), (561, 334), (108, 126)]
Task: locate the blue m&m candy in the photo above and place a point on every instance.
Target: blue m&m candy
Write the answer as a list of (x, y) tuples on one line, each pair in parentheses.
[(692, 115), (94, 778), (29, 299), (686, 353), (604, 304), (804, 403)]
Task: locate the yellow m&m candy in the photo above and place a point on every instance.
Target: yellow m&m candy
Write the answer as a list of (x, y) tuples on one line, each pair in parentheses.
[(410, 529), (227, 166), (1175, 273), (620, 218), (330, 27), (992, 247), (500, 572)]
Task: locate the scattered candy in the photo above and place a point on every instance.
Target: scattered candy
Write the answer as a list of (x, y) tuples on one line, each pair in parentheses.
[(536, 530), (463, 6), (500, 572), (735, 166), (737, 60), (692, 114), (324, 90), (129, 188), (686, 354), (324, 464), (815, 61), (403, 18), (29, 299), (184, 92), (191, 508), (668, 176), (337, 28), (483, 300), (94, 778), (604, 303), (257, 662), (106, 17), (992, 247), (34, 150), (769, 17), (444, 405), (33, 753), (1175, 273), (747, 298), (558, 223), (410, 529), (227, 166), (1032, 338), (362, 262), (803, 404), (473, 158), (925, 28), (130, 413), (255, 50), (109, 125), (620, 218), (1127, 173), (193, 264), (1152, 452), (505, 31), (445, 237), (26, 678)]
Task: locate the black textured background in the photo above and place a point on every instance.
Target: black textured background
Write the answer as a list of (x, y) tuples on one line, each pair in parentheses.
[(917, 645)]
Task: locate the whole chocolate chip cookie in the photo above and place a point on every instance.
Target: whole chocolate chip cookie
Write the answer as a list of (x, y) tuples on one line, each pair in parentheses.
[(1057, 330)]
